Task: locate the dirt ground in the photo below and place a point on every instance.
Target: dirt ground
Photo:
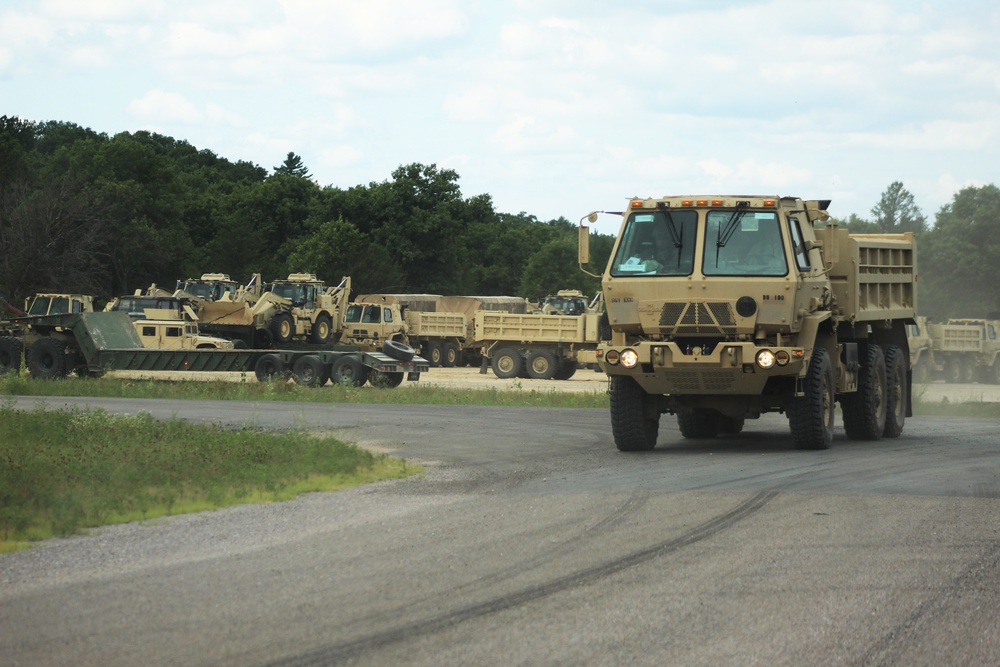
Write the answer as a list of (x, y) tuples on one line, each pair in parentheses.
[(584, 381)]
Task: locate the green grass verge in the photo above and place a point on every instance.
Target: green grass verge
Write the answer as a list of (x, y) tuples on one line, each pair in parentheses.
[(410, 393), (62, 472)]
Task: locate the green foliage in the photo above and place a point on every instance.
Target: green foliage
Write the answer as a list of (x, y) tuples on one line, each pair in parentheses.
[(81, 211), (68, 470), (959, 256), (897, 212)]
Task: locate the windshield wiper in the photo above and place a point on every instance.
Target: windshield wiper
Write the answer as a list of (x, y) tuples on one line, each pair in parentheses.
[(726, 233), (675, 234)]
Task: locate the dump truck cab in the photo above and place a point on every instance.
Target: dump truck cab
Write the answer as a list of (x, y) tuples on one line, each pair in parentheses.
[(58, 304)]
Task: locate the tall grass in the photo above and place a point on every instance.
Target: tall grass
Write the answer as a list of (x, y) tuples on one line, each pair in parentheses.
[(64, 471)]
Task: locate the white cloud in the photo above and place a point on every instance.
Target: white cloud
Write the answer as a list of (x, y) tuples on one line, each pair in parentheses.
[(159, 106)]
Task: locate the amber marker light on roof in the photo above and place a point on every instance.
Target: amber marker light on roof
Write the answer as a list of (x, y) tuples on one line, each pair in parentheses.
[(636, 204), (686, 202), (716, 202), (768, 202)]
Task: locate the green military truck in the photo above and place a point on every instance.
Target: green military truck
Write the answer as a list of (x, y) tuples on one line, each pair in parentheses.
[(721, 309)]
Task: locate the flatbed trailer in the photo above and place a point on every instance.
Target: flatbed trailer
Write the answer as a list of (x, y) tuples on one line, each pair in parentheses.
[(91, 344)]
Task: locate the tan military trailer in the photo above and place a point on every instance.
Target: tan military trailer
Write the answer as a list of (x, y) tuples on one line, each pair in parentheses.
[(723, 308)]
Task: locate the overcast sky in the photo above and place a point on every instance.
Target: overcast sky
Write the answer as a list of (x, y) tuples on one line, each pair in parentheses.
[(553, 107)]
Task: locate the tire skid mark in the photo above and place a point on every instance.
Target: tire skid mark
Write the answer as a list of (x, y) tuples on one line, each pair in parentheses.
[(633, 503), (354, 648), (886, 651)]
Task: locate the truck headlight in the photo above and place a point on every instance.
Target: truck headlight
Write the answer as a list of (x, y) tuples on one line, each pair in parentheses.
[(612, 357), (765, 359), (629, 358)]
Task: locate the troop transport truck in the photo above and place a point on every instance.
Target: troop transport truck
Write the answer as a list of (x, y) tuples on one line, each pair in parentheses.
[(91, 343), (723, 308)]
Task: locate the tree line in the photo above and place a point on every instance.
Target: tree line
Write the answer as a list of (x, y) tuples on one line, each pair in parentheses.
[(81, 211)]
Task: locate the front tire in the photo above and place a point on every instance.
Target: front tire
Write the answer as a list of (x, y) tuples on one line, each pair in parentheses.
[(282, 327), (322, 330), (810, 417), (633, 430)]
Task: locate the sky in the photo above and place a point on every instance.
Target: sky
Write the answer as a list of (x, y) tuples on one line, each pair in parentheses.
[(552, 107)]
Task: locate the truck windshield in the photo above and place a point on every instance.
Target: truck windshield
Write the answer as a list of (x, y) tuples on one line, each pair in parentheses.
[(651, 246), (753, 247), (201, 290)]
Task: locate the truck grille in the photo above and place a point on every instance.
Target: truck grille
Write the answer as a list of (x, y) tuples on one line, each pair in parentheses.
[(699, 317), (682, 382)]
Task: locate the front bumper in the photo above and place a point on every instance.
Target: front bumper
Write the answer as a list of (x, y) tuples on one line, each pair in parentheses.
[(730, 368)]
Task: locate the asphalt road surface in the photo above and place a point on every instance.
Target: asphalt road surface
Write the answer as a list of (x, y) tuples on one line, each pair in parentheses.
[(531, 540)]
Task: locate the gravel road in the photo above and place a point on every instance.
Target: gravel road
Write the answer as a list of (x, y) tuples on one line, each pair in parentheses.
[(531, 540)]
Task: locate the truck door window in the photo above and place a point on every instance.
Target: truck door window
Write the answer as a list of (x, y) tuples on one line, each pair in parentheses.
[(753, 247), (353, 313), (657, 243), (387, 314), (371, 315), (174, 332), (798, 245), (149, 332)]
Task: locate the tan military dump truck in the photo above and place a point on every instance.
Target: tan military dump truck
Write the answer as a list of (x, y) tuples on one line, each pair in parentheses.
[(952, 351), (535, 345), (987, 365), (723, 308)]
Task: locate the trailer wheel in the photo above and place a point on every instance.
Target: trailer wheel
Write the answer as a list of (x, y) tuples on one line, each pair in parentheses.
[(865, 409), (282, 327), (262, 339), (449, 355), (633, 430), (810, 417), (432, 350), (322, 330), (10, 355), (698, 424), (348, 370), (567, 369), (46, 359), (398, 351), (267, 367), (385, 380), (542, 364), (895, 368), (507, 363), (307, 370)]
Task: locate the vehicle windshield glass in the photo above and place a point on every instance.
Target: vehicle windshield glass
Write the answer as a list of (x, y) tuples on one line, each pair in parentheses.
[(650, 246), (201, 290), (753, 248)]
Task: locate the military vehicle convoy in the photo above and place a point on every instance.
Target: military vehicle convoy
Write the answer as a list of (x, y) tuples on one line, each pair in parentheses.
[(723, 308), (89, 343)]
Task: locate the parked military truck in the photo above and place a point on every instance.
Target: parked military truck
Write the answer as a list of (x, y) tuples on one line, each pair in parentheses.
[(987, 364), (12, 340), (950, 351), (90, 344), (544, 347), (723, 308)]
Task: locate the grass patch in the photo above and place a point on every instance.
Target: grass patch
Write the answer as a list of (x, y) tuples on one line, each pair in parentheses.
[(62, 472), (412, 393)]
